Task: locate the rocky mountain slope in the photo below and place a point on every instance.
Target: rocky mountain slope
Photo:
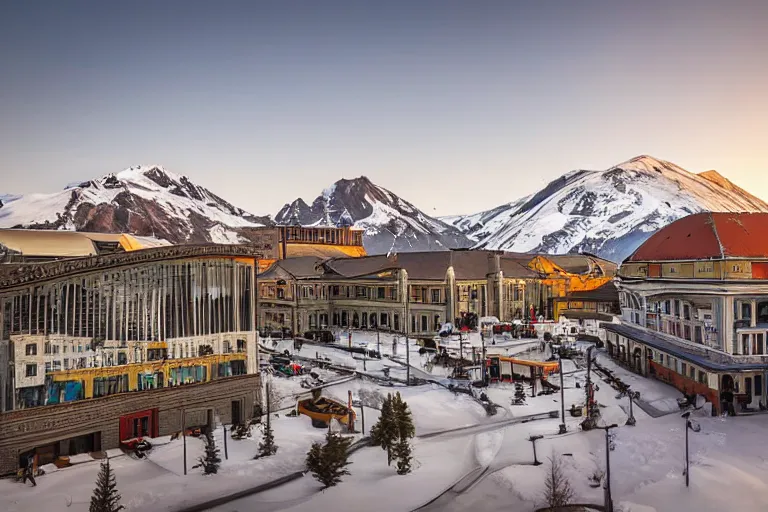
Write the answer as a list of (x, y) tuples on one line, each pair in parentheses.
[(141, 200), (608, 213), (390, 222)]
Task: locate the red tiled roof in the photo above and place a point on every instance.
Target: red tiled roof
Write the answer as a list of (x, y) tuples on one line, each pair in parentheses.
[(708, 235)]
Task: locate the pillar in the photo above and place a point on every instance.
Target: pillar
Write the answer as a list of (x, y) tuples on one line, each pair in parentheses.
[(451, 306)]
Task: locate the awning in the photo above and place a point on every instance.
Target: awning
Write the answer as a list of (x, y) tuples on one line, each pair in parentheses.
[(681, 352)]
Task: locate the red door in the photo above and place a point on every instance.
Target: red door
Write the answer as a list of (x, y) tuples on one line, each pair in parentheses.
[(139, 424)]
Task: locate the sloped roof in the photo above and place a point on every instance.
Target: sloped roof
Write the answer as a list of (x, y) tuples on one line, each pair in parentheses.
[(431, 266), (472, 265), (605, 293), (45, 243), (517, 268), (357, 267), (301, 267), (708, 235)]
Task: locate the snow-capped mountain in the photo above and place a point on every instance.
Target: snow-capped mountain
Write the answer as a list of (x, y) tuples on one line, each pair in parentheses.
[(608, 213), (390, 222), (143, 200)]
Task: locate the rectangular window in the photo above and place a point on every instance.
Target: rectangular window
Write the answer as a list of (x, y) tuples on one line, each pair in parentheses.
[(361, 291), (745, 344), (692, 373), (396, 322), (757, 344), (31, 370), (31, 349), (437, 322), (413, 323), (687, 332), (380, 292), (698, 334), (684, 369), (686, 312), (424, 326), (702, 377), (383, 320), (746, 311), (758, 385), (435, 296)]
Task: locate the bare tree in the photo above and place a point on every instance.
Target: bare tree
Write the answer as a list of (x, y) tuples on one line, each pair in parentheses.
[(557, 489), (272, 396)]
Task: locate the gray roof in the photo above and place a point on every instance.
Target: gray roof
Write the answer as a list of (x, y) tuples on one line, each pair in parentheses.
[(302, 268), (431, 266), (358, 267)]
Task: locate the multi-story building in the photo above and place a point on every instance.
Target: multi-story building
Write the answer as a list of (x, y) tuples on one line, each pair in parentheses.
[(424, 289), (120, 344), (694, 301)]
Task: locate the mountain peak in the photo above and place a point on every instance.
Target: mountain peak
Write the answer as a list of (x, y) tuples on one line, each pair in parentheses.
[(389, 222), (143, 200), (643, 162), (717, 178), (609, 212)]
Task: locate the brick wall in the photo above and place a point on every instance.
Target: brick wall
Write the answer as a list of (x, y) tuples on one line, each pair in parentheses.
[(24, 429), (685, 384)]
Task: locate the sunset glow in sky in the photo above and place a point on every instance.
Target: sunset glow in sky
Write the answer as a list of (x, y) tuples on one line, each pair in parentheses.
[(456, 106)]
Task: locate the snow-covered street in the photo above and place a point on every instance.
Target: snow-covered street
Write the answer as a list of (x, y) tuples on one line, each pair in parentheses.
[(485, 465)]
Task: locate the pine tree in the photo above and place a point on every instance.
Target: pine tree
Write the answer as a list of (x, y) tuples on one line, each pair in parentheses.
[(403, 456), (329, 463), (105, 496), (211, 461), (403, 418), (405, 430), (384, 433), (557, 489), (267, 445)]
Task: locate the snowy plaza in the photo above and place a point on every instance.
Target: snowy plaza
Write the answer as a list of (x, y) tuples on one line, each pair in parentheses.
[(463, 459)]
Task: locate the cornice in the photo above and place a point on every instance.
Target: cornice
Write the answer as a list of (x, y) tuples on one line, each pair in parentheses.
[(25, 274)]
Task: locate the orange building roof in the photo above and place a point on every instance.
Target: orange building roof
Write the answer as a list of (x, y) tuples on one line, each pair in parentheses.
[(708, 235)]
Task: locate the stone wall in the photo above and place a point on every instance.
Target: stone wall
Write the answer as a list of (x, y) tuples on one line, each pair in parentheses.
[(25, 429)]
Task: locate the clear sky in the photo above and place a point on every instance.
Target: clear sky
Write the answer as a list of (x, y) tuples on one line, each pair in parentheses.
[(456, 106)]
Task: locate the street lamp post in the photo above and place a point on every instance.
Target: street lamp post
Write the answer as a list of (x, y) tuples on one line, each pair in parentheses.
[(485, 370), (562, 397), (533, 440), (689, 425), (407, 328), (631, 420), (608, 498)]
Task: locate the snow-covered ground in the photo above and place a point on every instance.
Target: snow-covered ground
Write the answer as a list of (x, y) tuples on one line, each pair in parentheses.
[(485, 466)]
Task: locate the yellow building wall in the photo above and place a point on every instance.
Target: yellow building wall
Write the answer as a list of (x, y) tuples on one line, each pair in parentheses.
[(86, 375)]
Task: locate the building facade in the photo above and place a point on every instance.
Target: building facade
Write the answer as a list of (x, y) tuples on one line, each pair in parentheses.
[(105, 348), (694, 301), (415, 292)]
